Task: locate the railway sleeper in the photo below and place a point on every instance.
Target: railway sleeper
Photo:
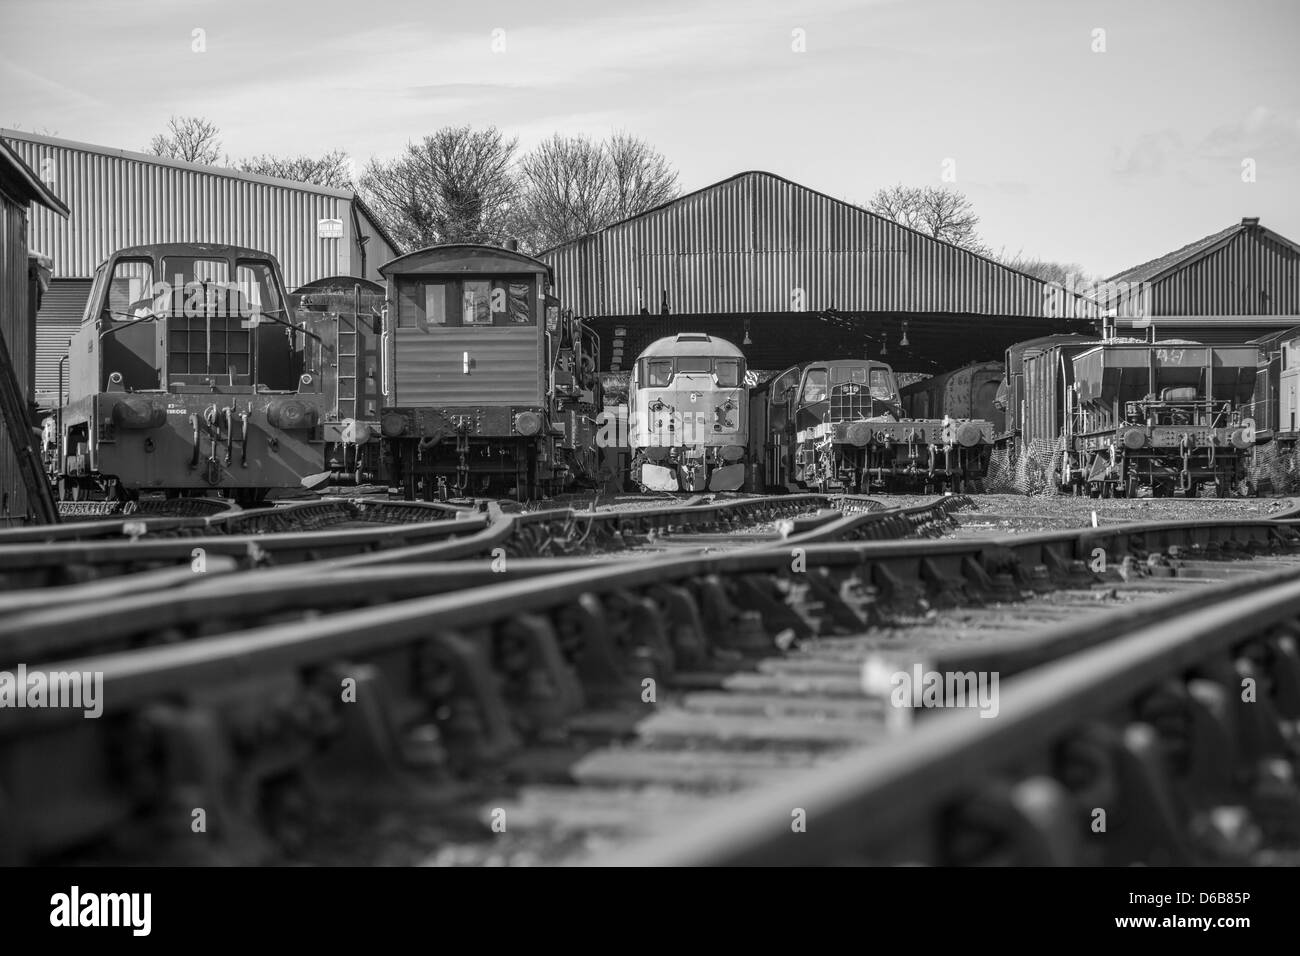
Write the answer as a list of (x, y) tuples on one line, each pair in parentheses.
[(1190, 774)]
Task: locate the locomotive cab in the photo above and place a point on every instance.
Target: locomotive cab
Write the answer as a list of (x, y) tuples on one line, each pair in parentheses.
[(188, 375)]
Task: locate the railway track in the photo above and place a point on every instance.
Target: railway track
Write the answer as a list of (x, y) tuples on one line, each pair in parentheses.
[(1169, 738), (366, 532), (529, 697)]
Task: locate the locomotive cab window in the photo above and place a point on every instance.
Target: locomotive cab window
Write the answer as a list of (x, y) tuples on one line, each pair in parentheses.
[(131, 291), (814, 386), (880, 385), (659, 372), (727, 372), (688, 364)]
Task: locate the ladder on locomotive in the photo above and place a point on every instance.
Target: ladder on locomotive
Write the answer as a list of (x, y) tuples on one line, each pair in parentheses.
[(347, 365)]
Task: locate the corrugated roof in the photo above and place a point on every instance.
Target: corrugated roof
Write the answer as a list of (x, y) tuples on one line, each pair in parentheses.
[(759, 242), (21, 177), (1148, 271), (235, 186)]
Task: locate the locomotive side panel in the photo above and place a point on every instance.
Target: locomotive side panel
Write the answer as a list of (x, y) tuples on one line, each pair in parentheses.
[(497, 366)]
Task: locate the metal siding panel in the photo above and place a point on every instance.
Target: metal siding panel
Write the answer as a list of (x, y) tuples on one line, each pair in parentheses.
[(59, 317), (1251, 274), (119, 201), (506, 367), (746, 243)]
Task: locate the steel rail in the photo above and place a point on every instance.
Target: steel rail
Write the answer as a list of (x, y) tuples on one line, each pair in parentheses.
[(937, 565), (860, 806), (264, 701)]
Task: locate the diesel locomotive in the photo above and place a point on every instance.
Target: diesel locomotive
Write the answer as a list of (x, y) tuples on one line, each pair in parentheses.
[(188, 376), (688, 415), (488, 385), (840, 425)]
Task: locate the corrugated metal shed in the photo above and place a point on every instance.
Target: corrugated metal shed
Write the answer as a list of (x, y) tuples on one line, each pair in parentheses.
[(759, 243), (122, 198), (1244, 270), (21, 275)]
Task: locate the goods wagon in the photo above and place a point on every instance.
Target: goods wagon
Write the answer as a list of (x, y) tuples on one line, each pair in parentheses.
[(967, 392), (1168, 417)]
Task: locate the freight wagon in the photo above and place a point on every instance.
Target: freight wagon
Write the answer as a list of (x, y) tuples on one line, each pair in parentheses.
[(967, 392)]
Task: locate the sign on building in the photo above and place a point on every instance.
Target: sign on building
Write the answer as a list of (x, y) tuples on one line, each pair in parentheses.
[(329, 228)]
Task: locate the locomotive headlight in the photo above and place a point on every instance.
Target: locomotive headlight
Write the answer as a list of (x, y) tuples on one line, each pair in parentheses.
[(528, 423), (1134, 438), (858, 433), (306, 378), (393, 424), (969, 434), (290, 413)]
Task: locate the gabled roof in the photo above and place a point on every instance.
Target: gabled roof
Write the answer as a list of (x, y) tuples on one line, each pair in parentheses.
[(25, 183), (226, 172), (1155, 268), (756, 243), (764, 174)]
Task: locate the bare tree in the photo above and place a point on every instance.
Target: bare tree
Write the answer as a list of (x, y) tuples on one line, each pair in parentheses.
[(1048, 271), (573, 186), (332, 169), (938, 211), (191, 138), (565, 185), (456, 185), (641, 176)]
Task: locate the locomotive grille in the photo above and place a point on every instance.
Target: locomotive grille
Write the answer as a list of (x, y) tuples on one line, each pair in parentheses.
[(850, 401), (201, 345)]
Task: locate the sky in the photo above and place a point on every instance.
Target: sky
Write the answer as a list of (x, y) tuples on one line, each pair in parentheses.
[(1096, 133)]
